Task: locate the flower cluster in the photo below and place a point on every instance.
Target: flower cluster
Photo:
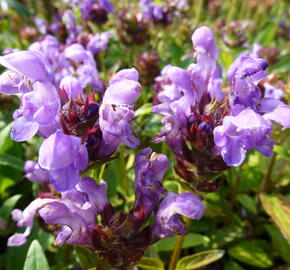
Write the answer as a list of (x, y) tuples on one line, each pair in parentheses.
[(162, 14), (75, 127), (207, 128), (121, 237), (83, 121), (95, 11), (75, 56)]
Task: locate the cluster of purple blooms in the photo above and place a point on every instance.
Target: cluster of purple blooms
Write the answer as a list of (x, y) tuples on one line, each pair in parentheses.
[(96, 11), (206, 128), (73, 125), (75, 55), (161, 14), (77, 130), (76, 211)]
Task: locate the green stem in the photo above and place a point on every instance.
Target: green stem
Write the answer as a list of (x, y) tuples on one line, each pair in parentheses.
[(124, 177), (176, 252), (243, 10), (234, 193), (101, 173), (199, 7), (232, 9), (267, 179), (178, 247)]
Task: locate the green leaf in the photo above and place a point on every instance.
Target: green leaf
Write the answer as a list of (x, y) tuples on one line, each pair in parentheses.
[(11, 161), (213, 206), (150, 263), (35, 259), (248, 202), (191, 240), (18, 7), (176, 54), (86, 257), (5, 142), (171, 186), (278, 208), (283, 150), (221, 237), (279, 242), (232, 265), (153, 125), (253, 252), (199, 259), (282, 65), (8, 205), (144, 110)]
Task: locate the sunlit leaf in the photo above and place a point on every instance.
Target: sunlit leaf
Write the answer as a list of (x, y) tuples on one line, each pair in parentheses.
[(253, 252), (150, 263), (199, 259), (86, 257), (35, 258), (11, 161), (7, 206), (232, 265), (143, 110), (191, 240), (280, 243), (278, 207), (248, 202)]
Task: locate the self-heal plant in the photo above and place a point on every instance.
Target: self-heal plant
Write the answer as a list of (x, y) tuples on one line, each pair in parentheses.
[(76, 129), (207, 128), (120, 238)]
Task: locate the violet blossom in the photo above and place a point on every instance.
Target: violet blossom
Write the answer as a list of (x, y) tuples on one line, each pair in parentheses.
[(116, 110), (202, 123), (75, 214), (64, 156), (34, 173)]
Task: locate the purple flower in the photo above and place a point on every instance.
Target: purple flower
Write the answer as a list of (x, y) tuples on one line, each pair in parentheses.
[(73, 227), (247, 73), (71, 86), (11, 84), (64, 156), (241, 133), (87, 70), (273, 92), (41, 25), (116, 110), (106, 4), (99, 42), (37, 113), (96, 193), (87, 5), (75, 213), (172, 132), (73, 29), (26, 63), (167, 92), (168, 221), (150, 168), (34, 173), (25, 219), (155, 13), (280, 114), (205, 74)]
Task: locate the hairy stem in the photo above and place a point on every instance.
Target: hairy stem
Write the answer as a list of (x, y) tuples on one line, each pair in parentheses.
[(124, 177), (178, 247), (267, 179), (176, 252), (234, 193)]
